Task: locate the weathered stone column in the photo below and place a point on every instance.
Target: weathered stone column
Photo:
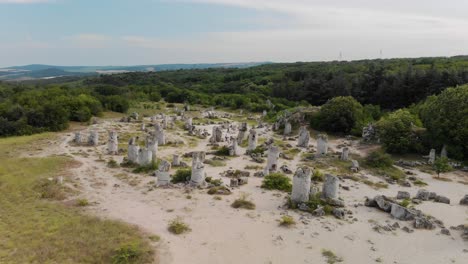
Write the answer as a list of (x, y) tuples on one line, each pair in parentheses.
[(145, 157), (301, 185), (287, 129), (160, 135), (188, 123), (322, 145), (304, 137), (443, 152), (345, 154), (233, 150), (272, 161), (330, 187), (143, 127), (175, 160), (198, 169), (152, 144), (133, 151), (242, 129), (162, 174), (432, 156), (77, 138), (216, 135), (93, 138), (252, 140), (113, 143)]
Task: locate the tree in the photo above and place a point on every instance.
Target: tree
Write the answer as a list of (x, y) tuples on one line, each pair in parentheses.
[(441, 165), (340, 114), (397, 132), (446, 118)]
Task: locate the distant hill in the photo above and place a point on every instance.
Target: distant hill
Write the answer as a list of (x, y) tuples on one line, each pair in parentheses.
[(40, 71)]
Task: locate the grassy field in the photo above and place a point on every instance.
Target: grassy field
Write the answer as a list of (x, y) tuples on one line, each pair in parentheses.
[(38, 230)]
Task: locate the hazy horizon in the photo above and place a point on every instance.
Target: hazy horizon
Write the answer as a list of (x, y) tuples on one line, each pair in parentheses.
[(149, 32)]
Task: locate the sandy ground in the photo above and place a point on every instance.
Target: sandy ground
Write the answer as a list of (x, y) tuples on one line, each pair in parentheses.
[(222, 234)]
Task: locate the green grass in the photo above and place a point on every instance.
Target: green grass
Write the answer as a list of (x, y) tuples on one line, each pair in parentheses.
[(37, 230), (277, 181)]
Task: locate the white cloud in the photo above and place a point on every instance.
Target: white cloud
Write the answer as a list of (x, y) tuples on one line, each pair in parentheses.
[(89, 40)]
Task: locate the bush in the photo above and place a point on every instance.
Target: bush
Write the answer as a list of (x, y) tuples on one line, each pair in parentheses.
[(112, 164), (398, 132), (379, 159), (243, 203), (127, 254), (51, 190), (82, 202), (340, 114), (223, 151), (258, 150), (146, 168), (318, 176), (446, 118), (287, 221), (181, 175), (177, 226), (277, 181)]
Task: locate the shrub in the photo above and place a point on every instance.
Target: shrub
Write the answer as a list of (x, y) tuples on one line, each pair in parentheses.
[(277, 181), (243, 203), (181, 175), (219, 190), (82, 202), (340, 114), (112, 164), (223, 151), (258, 150), (331, 257), (51, 190), (398, 132), (318, 176), (129, 253), (177, 226), (287, 221), (379, 159), (146, 168), (405, 202)]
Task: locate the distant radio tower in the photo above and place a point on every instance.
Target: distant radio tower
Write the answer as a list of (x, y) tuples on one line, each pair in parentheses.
[(340, 57), (381, 53)]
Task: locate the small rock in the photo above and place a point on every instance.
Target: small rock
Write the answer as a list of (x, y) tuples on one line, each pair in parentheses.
[(445, 231), (464, 200), (403, 195), (441, 199)]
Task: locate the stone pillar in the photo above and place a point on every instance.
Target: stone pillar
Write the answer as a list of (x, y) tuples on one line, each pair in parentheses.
[(188, 123), (304, 137), (93, 139), (160, 135), (145, 157), (264, 113), (252, 140), (152, 144), (133, 152), (113, 143), (162, 174), (443, 152), (233, 151), (301, 185), (198, 169), (216, 135), (272, 161), (287, 129), (175, 160), (432, 156), (344, 154), (330, 187), (322, 145), (242, 129), (77, 138), (143, 127)]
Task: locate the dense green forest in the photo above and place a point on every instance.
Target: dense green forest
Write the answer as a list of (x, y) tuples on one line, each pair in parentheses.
[(352, 94)]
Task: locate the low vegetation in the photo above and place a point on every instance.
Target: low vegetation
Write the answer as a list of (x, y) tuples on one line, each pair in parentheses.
[(181, 175), (277, 181), (44, 230), (243, 203), (287, 221), (331, 257), (177, 227)]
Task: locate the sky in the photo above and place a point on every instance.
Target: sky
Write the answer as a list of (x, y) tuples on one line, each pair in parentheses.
[(142, 32)]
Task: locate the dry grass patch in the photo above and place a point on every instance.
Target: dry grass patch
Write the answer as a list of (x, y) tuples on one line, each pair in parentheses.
[(177, 227), (243, 202)]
